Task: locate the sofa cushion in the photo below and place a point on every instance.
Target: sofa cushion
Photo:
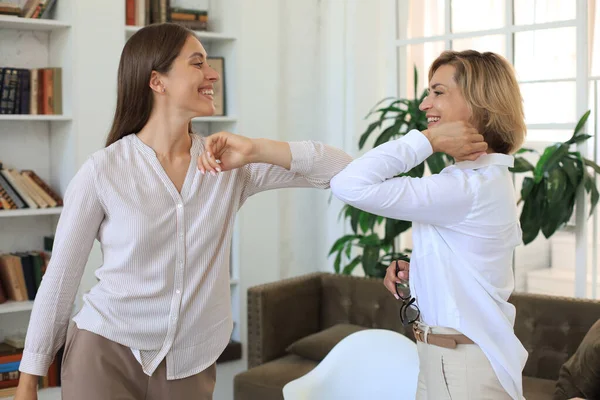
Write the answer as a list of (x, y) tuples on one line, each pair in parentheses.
[(538, 389), (580, 375), (266, 381), (316, 346)]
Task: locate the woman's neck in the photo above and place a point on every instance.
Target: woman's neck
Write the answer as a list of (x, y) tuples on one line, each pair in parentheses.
[(166, 135)]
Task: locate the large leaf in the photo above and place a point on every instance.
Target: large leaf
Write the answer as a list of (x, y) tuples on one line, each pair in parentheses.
[(337, 262), (552, 155), (350, 267), (394, 227), (578, 139), (521, 165), (341, 242), (371, 240), (374, 109), (370, 258), (580, 124), (592, 164), (528, 184), (388, 133), (354, 218), (571, 167), (531, 214), (365, 136), (556, 185), (525, 150), (367, 221)]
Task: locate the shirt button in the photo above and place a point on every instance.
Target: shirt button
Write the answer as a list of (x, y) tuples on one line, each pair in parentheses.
[(178, 291), (179, 205), (181, 235), (174, 318)]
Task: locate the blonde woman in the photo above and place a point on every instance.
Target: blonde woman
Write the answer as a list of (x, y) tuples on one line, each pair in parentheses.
[(465, 230)]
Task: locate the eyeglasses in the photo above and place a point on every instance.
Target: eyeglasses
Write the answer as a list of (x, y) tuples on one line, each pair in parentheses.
[(409, 312)]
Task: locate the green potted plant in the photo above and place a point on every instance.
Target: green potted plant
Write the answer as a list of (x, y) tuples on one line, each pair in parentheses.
[(548, 195)]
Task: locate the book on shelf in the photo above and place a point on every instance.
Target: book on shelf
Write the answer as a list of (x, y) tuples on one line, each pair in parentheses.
[(25, 189), (35, 91), (21, 274), (31, 9)]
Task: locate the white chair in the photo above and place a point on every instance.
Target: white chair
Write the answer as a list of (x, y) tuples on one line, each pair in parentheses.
[(367, 365)]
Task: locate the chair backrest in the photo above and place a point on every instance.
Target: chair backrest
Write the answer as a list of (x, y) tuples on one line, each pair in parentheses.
[(370, 364)]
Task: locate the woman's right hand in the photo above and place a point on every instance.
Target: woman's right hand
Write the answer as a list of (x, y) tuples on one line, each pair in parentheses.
[(27, 389), (458, 139), (391, 278)]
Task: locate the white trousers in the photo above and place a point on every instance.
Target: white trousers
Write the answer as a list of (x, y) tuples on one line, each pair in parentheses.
[(463, 373)]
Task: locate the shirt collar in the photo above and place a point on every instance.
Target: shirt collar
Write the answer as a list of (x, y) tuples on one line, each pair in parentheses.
[(487, 160)]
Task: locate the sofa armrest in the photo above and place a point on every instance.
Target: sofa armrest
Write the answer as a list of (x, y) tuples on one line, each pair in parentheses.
[(280, 313), (551, 328)]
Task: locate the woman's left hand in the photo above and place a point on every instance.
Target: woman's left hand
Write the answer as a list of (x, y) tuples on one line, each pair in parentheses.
[(225, 151)]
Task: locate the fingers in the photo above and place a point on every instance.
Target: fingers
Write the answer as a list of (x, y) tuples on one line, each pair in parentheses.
[(403, 270), (208, 163), (390, 280)]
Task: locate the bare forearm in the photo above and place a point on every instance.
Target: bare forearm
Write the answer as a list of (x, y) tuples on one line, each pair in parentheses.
[(28, 380), (272, 152)]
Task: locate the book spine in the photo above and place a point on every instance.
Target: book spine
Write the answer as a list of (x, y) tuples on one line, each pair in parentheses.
[(33, 102), (57, 91), (130, 12), (41, 192), (43, 185), (21, 191), (25, 91), (11, 192)]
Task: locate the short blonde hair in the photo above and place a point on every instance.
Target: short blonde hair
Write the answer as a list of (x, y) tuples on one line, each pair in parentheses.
[(489, 85)]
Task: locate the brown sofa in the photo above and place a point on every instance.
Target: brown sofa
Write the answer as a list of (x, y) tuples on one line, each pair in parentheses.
[(281, 313)]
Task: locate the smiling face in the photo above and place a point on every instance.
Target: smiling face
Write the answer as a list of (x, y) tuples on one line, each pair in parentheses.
[(188, 85), (445, 101)]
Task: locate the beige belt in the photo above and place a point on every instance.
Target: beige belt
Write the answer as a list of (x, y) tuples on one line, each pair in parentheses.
[(436, 339)]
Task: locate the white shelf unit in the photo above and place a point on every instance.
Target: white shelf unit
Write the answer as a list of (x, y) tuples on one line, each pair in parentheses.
[(54, 146), (30, 212), (202, 35), (15, 306), (34, 118), (11, 22)]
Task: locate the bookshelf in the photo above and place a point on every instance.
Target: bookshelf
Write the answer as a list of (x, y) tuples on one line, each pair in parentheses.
[(30, 213), (85, 39)]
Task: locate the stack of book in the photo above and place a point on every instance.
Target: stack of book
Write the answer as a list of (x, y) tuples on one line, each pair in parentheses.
[(196, 20), (10, 360), (31, 9), (31, 91), (25, 189), (21, 275)]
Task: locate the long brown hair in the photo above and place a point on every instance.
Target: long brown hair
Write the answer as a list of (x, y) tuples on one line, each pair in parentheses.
[(152, 48), (489, 85)]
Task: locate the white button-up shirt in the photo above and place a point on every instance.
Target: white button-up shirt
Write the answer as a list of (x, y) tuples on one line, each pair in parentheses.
[(465, 230), (163, 289)]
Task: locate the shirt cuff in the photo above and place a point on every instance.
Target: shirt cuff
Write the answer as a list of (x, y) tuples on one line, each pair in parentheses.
[(419, 143), (35, 364), (303, 155)]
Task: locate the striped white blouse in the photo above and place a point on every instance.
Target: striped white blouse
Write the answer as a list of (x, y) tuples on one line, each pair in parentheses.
[(163, 288)]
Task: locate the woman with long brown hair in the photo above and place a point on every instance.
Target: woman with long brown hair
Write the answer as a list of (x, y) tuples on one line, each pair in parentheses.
[(161, 201)]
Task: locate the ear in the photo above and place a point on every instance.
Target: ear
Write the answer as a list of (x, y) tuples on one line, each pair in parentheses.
[(156, 83)]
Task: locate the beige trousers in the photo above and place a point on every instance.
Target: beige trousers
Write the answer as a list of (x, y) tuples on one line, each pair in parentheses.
[(463, 373), (95, 368)]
